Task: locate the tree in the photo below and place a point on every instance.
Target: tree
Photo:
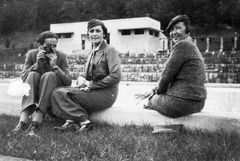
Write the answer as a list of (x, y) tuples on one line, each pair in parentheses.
[(68, 12), (8, 42), (23, 15), (232, 9)]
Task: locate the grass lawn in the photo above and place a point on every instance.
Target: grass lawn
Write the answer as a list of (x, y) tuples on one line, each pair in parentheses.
[(114, 143)]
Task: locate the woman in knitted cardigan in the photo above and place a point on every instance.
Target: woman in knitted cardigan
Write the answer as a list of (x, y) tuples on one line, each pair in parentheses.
[(180, 89)]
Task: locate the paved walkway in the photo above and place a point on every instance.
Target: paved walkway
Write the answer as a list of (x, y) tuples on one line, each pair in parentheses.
[(8, 105), (8, 158)]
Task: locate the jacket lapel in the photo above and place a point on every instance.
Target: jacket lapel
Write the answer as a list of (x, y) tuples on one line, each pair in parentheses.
[(100, 52), (98, 56), (88, 63)]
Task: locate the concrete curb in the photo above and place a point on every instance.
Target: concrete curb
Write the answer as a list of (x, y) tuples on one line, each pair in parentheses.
[(205, 120)]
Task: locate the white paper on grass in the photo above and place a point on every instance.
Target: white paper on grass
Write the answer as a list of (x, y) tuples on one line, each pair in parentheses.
[(17, 88)]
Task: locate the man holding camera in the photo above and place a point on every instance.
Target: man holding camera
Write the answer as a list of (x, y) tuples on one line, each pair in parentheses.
[(44, 70)]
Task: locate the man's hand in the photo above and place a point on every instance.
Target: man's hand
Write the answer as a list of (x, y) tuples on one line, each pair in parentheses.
[(40, 56), (52, 59)]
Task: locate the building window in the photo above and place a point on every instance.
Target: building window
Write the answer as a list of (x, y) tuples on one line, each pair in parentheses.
[(139, 31), (150, 32), (83, 44), (156, 34), (67, 35), (64, 35), (84, 36), (108, 38), (126, 32)]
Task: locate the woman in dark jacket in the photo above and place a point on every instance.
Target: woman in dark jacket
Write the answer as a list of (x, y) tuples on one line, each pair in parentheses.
[(181, 89), (103, 74)]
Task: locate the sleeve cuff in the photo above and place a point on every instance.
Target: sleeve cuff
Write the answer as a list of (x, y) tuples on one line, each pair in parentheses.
[(55, 69)]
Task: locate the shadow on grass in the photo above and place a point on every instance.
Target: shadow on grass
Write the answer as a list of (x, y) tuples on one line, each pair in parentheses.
[(113, 142)]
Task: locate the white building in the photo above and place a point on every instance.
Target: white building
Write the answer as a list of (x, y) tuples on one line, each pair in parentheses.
[(133, 35)]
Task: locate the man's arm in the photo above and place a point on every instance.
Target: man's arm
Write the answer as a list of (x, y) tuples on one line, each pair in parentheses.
[(30, 64), (62, 70)]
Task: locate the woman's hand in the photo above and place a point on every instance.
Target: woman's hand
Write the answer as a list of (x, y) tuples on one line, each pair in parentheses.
[(145, 95), (82, 84), (81, 81)]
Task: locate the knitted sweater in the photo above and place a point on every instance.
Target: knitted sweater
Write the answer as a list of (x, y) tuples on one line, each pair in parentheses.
[(184, 73)]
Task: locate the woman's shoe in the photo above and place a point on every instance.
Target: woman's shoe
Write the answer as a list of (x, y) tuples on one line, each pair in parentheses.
[(68, 126), (85, 127), (22, 126)]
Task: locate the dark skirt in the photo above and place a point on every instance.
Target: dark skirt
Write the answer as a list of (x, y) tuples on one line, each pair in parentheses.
[(174, 106)]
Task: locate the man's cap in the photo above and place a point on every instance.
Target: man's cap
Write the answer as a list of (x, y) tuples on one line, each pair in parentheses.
[(178, 18)]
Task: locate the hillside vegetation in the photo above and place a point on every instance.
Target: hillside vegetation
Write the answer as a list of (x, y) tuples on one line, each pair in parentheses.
[(22, 20), (19, 40), (206, 15)]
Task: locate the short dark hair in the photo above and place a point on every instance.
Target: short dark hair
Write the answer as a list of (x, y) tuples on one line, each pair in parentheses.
[(188, 26), (96, 22), (45, 35)]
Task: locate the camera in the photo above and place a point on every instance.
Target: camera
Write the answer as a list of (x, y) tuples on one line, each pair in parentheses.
[(48, 49)]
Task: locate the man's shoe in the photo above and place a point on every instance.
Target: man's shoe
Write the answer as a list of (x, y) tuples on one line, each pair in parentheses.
[(22, 126), (33, 128), (68, 126)]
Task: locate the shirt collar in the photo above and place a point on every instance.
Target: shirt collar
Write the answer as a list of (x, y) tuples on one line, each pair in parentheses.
[(97, 48), (186, 38)]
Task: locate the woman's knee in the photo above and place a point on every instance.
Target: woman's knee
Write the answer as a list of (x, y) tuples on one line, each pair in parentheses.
[(56, 93)]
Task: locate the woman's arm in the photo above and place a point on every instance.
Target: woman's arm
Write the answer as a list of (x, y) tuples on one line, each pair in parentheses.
[(172, 67), (114, 67)]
